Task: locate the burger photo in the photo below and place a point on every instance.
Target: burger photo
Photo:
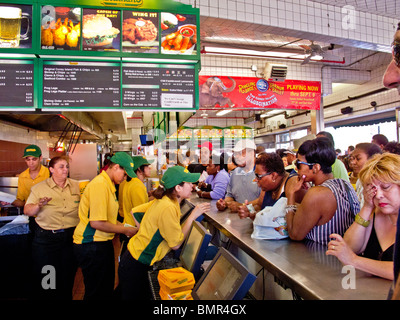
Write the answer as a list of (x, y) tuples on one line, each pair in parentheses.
[(97, 31)]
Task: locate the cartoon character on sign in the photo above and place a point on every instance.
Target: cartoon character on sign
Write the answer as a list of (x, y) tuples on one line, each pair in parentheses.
[(212, 92)]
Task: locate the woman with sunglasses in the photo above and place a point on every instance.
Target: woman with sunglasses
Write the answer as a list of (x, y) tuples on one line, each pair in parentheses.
[(273, 180), (328, 207)]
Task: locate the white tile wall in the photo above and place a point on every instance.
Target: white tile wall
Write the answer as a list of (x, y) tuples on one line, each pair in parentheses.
[(22, 135), (322, 21), (298, 18)]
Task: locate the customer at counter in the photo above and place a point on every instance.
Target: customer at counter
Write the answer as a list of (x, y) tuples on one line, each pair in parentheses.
[(241, 185), (214, 187), (98, 211), (54, 202), (328, 207), (159, 232), (391, 80), (273, 179), (339, 170), (369, 242), (358, 158), (201, 167), (35, 173)]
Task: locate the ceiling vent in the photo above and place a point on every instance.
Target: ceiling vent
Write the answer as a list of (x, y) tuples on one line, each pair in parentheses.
[(275, 72)]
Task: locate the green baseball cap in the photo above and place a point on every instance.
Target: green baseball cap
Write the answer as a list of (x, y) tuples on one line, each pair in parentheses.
[(139, 161), (125, 161), (176, 175), (32, 151)]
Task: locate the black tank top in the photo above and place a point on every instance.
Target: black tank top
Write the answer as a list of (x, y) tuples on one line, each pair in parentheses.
[(374, 250)]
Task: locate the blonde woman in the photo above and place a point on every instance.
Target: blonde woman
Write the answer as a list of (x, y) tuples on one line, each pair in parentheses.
[(369, 242)]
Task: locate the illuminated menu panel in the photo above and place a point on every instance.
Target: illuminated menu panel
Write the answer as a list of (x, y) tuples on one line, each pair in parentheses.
[(16, 83), (167, 86), (81, 84)]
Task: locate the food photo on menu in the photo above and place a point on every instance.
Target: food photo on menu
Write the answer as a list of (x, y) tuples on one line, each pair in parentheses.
[(140, 32), (60, 28), (15, 26), (101, 29), (179, 34)]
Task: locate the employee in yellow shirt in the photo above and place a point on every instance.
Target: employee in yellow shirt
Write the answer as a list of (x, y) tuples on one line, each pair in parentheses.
[(35, 173), (135, 193), (98, 212), (159, 232), (54, 202)]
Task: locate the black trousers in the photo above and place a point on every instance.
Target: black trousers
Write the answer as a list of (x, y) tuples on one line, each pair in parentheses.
[(54, 264), (96, 260), (133, 279)]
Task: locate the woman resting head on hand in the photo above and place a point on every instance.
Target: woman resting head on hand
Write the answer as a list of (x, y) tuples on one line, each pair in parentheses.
[(369, 242)]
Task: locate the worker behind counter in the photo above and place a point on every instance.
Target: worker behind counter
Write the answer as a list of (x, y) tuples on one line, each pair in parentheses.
[(241, 185), (35, 173), (54, 202), (135, 193), (160, 231), (98, 211)]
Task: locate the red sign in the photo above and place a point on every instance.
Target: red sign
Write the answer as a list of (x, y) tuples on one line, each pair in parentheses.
[(257, 93)]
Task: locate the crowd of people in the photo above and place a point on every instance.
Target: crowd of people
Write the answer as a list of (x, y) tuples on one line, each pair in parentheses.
[(358, 222)]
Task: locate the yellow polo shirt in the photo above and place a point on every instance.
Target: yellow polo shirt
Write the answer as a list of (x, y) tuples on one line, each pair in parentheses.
[(134, 194), (159, 231), (98, 203), (62, 210), (25, 182)]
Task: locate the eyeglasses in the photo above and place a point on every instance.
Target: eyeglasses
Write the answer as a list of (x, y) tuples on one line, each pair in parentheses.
[(396, 52), (260, 176), (297, 162)]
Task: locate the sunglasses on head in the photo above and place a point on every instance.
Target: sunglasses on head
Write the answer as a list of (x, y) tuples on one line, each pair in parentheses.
[(298, 163), (396, 52)]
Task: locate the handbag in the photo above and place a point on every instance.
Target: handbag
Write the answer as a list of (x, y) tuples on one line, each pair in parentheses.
[(270, 223)]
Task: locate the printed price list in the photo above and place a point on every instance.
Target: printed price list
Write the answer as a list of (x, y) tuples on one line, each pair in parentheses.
[(81, 84), (16, 83)]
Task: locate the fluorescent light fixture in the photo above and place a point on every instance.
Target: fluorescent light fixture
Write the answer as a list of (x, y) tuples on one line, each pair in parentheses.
[(223, 112), (218, 50), (271, 112)]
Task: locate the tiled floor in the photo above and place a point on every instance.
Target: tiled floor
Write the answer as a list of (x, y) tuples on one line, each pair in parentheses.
[(79, 287)]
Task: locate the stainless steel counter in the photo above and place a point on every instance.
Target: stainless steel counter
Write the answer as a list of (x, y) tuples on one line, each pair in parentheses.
[(302, 266)]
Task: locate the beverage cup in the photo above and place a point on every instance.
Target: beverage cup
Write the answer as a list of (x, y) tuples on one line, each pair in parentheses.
[(10, 26)]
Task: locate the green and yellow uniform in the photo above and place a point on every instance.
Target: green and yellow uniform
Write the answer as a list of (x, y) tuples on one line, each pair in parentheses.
[(98, 203), (134, 194), (159, 231), (25, 182)]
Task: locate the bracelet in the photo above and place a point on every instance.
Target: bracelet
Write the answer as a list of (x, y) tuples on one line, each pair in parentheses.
[(291, 207), (361, 221)]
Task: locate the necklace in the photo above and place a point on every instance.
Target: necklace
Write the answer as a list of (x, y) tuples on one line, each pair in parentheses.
[(390, 219)]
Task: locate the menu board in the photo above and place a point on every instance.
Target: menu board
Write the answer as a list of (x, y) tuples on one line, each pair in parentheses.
[(167, 86), (118, 32), (81, 84), (16, 83)]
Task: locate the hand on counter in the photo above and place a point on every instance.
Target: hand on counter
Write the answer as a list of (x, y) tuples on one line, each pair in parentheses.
[(244, 211), (221, 205), (200, 209)]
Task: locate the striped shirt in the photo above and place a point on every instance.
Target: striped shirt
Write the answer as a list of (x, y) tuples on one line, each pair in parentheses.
[(343, 217)]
